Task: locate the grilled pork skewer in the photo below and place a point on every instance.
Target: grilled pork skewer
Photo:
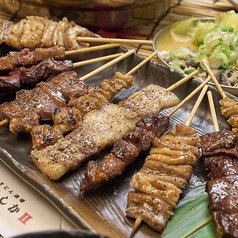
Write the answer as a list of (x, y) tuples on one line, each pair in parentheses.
[(127, 149), (100, 129), (18, 109), (69, 118), (35, 31), (165, 172)]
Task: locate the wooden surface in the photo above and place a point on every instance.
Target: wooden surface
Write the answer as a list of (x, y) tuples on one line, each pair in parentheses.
[(179, 10)]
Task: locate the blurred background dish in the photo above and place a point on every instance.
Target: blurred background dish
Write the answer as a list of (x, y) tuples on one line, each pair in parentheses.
[(235, 3), (163, 42), (108, 15)]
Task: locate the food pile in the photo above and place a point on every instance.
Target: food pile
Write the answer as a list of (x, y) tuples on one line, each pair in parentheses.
[(217, 44)]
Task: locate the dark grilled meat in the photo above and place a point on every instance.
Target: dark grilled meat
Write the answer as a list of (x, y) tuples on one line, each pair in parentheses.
[(220, 160), (28, 58), (9, 83), (44, 135), (41, 71), (124, 152)]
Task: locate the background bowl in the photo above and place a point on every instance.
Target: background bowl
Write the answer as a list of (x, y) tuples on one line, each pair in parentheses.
[(165, 33), (107, 15)]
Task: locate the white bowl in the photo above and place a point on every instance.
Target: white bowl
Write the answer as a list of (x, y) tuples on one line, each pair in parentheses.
[(165, 31)]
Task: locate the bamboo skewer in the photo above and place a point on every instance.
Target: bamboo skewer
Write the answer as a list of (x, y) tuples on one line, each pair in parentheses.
[(187, 123), (99, 59), (117, 40), (107, 65), (188, 97), (214, 79), (90, 49), (213, 111)]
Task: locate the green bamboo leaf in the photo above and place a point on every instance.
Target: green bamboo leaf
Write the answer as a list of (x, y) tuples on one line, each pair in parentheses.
[(192, 218)]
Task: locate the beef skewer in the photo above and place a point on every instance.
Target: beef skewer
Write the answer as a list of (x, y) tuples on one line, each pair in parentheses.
[(219, 153), (166, 170), (43, 70), (127, 149), (100, 129), (33, 101), (27, 58)]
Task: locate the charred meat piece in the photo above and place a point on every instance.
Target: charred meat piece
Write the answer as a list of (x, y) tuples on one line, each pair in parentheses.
[(222, 142), (165, 172), (9, 83), (230, 77), (100, 129), (124, 152), (41, 71), (67, 119), (221, 164), (69, 84), (44, 135), (28, 58)]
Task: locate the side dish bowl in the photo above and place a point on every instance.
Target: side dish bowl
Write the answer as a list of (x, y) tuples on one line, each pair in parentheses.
[(164, 36)]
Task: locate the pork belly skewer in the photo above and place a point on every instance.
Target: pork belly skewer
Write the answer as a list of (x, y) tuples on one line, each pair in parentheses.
[(127, 149), (165, 172), (100, 129), (41, 102), (219, 153)]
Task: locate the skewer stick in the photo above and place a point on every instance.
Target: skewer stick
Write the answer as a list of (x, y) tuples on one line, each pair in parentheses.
[(91, 61), (142, 63), (188, 97), (191, 115), (214, 79), (172, 87), (4, 122), (110, 40), (213, 111), (196, 105), (107, 65), (93, 48)]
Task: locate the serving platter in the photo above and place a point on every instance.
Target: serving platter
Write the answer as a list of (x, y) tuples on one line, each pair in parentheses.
[(102, 211)]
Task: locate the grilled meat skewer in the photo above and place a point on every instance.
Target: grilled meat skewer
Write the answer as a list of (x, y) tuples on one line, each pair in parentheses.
[(166, 170), (219, 152), (34, 32), (28, 58), (125, 151), (100, 129), (67, 119)]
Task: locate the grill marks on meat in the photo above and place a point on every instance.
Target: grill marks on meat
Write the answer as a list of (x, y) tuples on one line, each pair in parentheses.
[(41, 71), (28, 58), (67, 119), (166, 170), (41, 101), (124, 152), (221, 164), (35, 31), (97, 96), (100, 129)]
